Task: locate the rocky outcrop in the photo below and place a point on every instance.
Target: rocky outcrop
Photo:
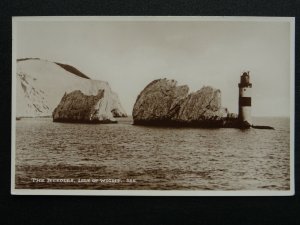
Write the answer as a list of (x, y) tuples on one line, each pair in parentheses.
[(116, 108), (162, 102), (80, 108), (41, 84)]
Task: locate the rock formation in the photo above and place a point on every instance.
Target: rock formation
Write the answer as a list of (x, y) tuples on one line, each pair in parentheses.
[(162, 102), (116, 107), (40, 85), (80, 108)]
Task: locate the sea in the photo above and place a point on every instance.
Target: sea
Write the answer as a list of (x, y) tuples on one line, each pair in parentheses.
[(123, 156)]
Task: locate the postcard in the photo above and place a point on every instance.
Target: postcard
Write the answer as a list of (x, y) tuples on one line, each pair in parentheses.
[(153, 106)]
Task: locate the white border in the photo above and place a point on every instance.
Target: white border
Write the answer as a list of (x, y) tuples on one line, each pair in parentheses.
[(290, 192), (292, 106), (13, 109)]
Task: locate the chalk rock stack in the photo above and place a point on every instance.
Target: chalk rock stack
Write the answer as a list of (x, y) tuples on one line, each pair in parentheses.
[(77, 107), (162, 102)]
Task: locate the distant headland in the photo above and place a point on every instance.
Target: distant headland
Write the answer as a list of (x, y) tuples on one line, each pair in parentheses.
[(46, 88)]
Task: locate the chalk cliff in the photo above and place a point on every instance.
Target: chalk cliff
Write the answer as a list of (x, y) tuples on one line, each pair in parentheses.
[(41, 84), (162, 102), (81, 108)]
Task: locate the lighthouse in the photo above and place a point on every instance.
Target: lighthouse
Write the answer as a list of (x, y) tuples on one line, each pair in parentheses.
[(245, 89)]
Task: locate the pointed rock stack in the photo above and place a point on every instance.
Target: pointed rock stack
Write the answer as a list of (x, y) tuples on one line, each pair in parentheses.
[(162, 102), (77, 107)]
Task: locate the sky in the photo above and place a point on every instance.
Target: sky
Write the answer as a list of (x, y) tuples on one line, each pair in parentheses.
[(131, 53)]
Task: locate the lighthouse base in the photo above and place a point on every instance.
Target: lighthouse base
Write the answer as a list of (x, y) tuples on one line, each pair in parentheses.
[(244, 125)]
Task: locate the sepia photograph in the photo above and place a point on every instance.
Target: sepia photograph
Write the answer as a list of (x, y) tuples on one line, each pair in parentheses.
[(151, 106)]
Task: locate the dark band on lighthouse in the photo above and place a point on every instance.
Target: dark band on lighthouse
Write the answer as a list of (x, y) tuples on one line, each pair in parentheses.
[(245, 101)]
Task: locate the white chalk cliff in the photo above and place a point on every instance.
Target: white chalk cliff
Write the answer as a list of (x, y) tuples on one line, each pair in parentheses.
[(41, 84)]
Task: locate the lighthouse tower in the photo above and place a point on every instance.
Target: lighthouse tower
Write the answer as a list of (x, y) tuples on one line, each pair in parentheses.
[(245, 88)]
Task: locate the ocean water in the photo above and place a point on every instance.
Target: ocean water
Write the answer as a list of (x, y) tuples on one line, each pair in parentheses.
[(125, 157)]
